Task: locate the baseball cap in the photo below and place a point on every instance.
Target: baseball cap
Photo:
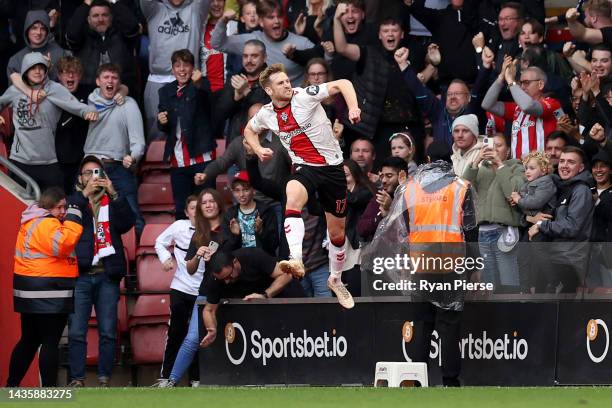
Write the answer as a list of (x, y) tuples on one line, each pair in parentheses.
[(242, 175)]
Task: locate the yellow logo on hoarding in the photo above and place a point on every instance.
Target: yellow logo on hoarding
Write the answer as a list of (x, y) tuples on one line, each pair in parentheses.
[(591, 329), (230, 333), (407, 331)]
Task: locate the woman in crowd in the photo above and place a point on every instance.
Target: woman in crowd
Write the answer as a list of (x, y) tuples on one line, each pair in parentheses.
[(317, 73), (44, 279), (184, 287), (360, 192), (206, 239), (495, 177)]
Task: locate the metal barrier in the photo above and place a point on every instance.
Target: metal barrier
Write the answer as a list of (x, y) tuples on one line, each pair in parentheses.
[(31, 190)]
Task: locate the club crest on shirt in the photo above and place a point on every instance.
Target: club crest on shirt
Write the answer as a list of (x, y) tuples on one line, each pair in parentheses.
[(312, 90), (284, 116)]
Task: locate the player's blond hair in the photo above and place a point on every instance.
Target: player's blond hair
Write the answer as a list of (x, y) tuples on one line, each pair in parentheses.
[(264, 77), (541, 158)]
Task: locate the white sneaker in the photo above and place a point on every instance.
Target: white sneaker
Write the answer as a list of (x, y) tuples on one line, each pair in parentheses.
[(163, 383), (344, 296), (194, 383), (293, 267)]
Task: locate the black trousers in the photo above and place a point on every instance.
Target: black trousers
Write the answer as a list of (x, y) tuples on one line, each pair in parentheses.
[(37, 330), (448, 325), (46, 175), (181, 308)]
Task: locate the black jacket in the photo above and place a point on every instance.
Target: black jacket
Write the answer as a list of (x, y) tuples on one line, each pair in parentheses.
[(119, 41), (266, 240), (236, 111), (121, 219), (195, 111), (454, 37), (602, 218), (71, 132)]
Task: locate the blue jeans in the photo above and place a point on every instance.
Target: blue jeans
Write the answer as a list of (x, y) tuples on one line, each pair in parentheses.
[(103, 294), (315, 282), (125, 183), (190, 346), (500, 268)]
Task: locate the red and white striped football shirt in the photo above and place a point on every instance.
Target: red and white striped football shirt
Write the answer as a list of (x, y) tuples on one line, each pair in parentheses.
[(529, 132), (180, 154), (303, 127)]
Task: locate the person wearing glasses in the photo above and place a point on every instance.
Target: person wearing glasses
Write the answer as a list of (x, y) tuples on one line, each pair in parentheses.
[(442, 112), (101, 261), (317, 73), (533, 115), (246, 273)]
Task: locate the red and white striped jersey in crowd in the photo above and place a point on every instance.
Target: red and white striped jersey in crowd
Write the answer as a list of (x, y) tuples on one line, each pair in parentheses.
[(529, 132), (303, 127), (180, 155)]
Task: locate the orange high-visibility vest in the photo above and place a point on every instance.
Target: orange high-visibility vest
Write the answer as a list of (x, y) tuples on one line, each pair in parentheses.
[(45, 264), (45, 248), (435, 224), (437, 216)]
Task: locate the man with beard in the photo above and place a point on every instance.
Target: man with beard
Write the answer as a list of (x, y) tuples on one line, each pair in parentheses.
[(273, 35), (243, 90), (103, 32), (379, 206), (387, 104)]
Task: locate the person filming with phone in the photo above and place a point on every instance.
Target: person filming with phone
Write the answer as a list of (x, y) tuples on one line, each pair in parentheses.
[(106, 215)]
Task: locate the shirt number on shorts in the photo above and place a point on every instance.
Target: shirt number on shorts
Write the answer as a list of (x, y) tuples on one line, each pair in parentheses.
[(340, 206)]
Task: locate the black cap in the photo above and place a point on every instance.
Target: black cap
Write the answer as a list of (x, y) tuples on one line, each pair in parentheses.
[(602, 156), (439, 150), (88, 159)]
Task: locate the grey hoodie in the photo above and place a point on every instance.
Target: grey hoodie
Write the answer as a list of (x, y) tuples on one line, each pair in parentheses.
[(49, 46), (118, 130), (173, 28), (35, 124), (536, 194)]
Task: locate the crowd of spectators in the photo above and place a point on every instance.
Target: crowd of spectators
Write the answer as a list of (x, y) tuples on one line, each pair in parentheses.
[(527, 122)]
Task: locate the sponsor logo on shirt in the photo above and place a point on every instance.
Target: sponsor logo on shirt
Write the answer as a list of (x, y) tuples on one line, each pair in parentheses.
[(174, 26), (286, 136), (312, 90)]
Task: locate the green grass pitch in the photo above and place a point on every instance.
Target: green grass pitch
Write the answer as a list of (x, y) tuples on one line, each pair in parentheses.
[(321, 397)]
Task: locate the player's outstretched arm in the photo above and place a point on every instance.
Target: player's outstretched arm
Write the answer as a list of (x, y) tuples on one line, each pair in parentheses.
[(345, 87), (252, 138)]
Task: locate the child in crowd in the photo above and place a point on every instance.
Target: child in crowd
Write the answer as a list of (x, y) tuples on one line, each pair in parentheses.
[(538, 194), (250, 223), (402, 146), (185, 115), (184, 287)]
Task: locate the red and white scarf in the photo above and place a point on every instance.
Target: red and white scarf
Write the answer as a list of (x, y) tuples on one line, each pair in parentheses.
[(103, 245)]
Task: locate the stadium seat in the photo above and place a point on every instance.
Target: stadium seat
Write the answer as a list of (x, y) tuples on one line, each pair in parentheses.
[(154, 197), (154, 158), (93, 346), (156, 177), (224, 188), (129, 244), (151, 276), (149, 328), (159, 218), (220, 147), (148, 237)]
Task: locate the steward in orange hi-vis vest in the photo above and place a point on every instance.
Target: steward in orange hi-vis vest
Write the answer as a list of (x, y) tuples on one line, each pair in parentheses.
[(435, 223), (45, 263)]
